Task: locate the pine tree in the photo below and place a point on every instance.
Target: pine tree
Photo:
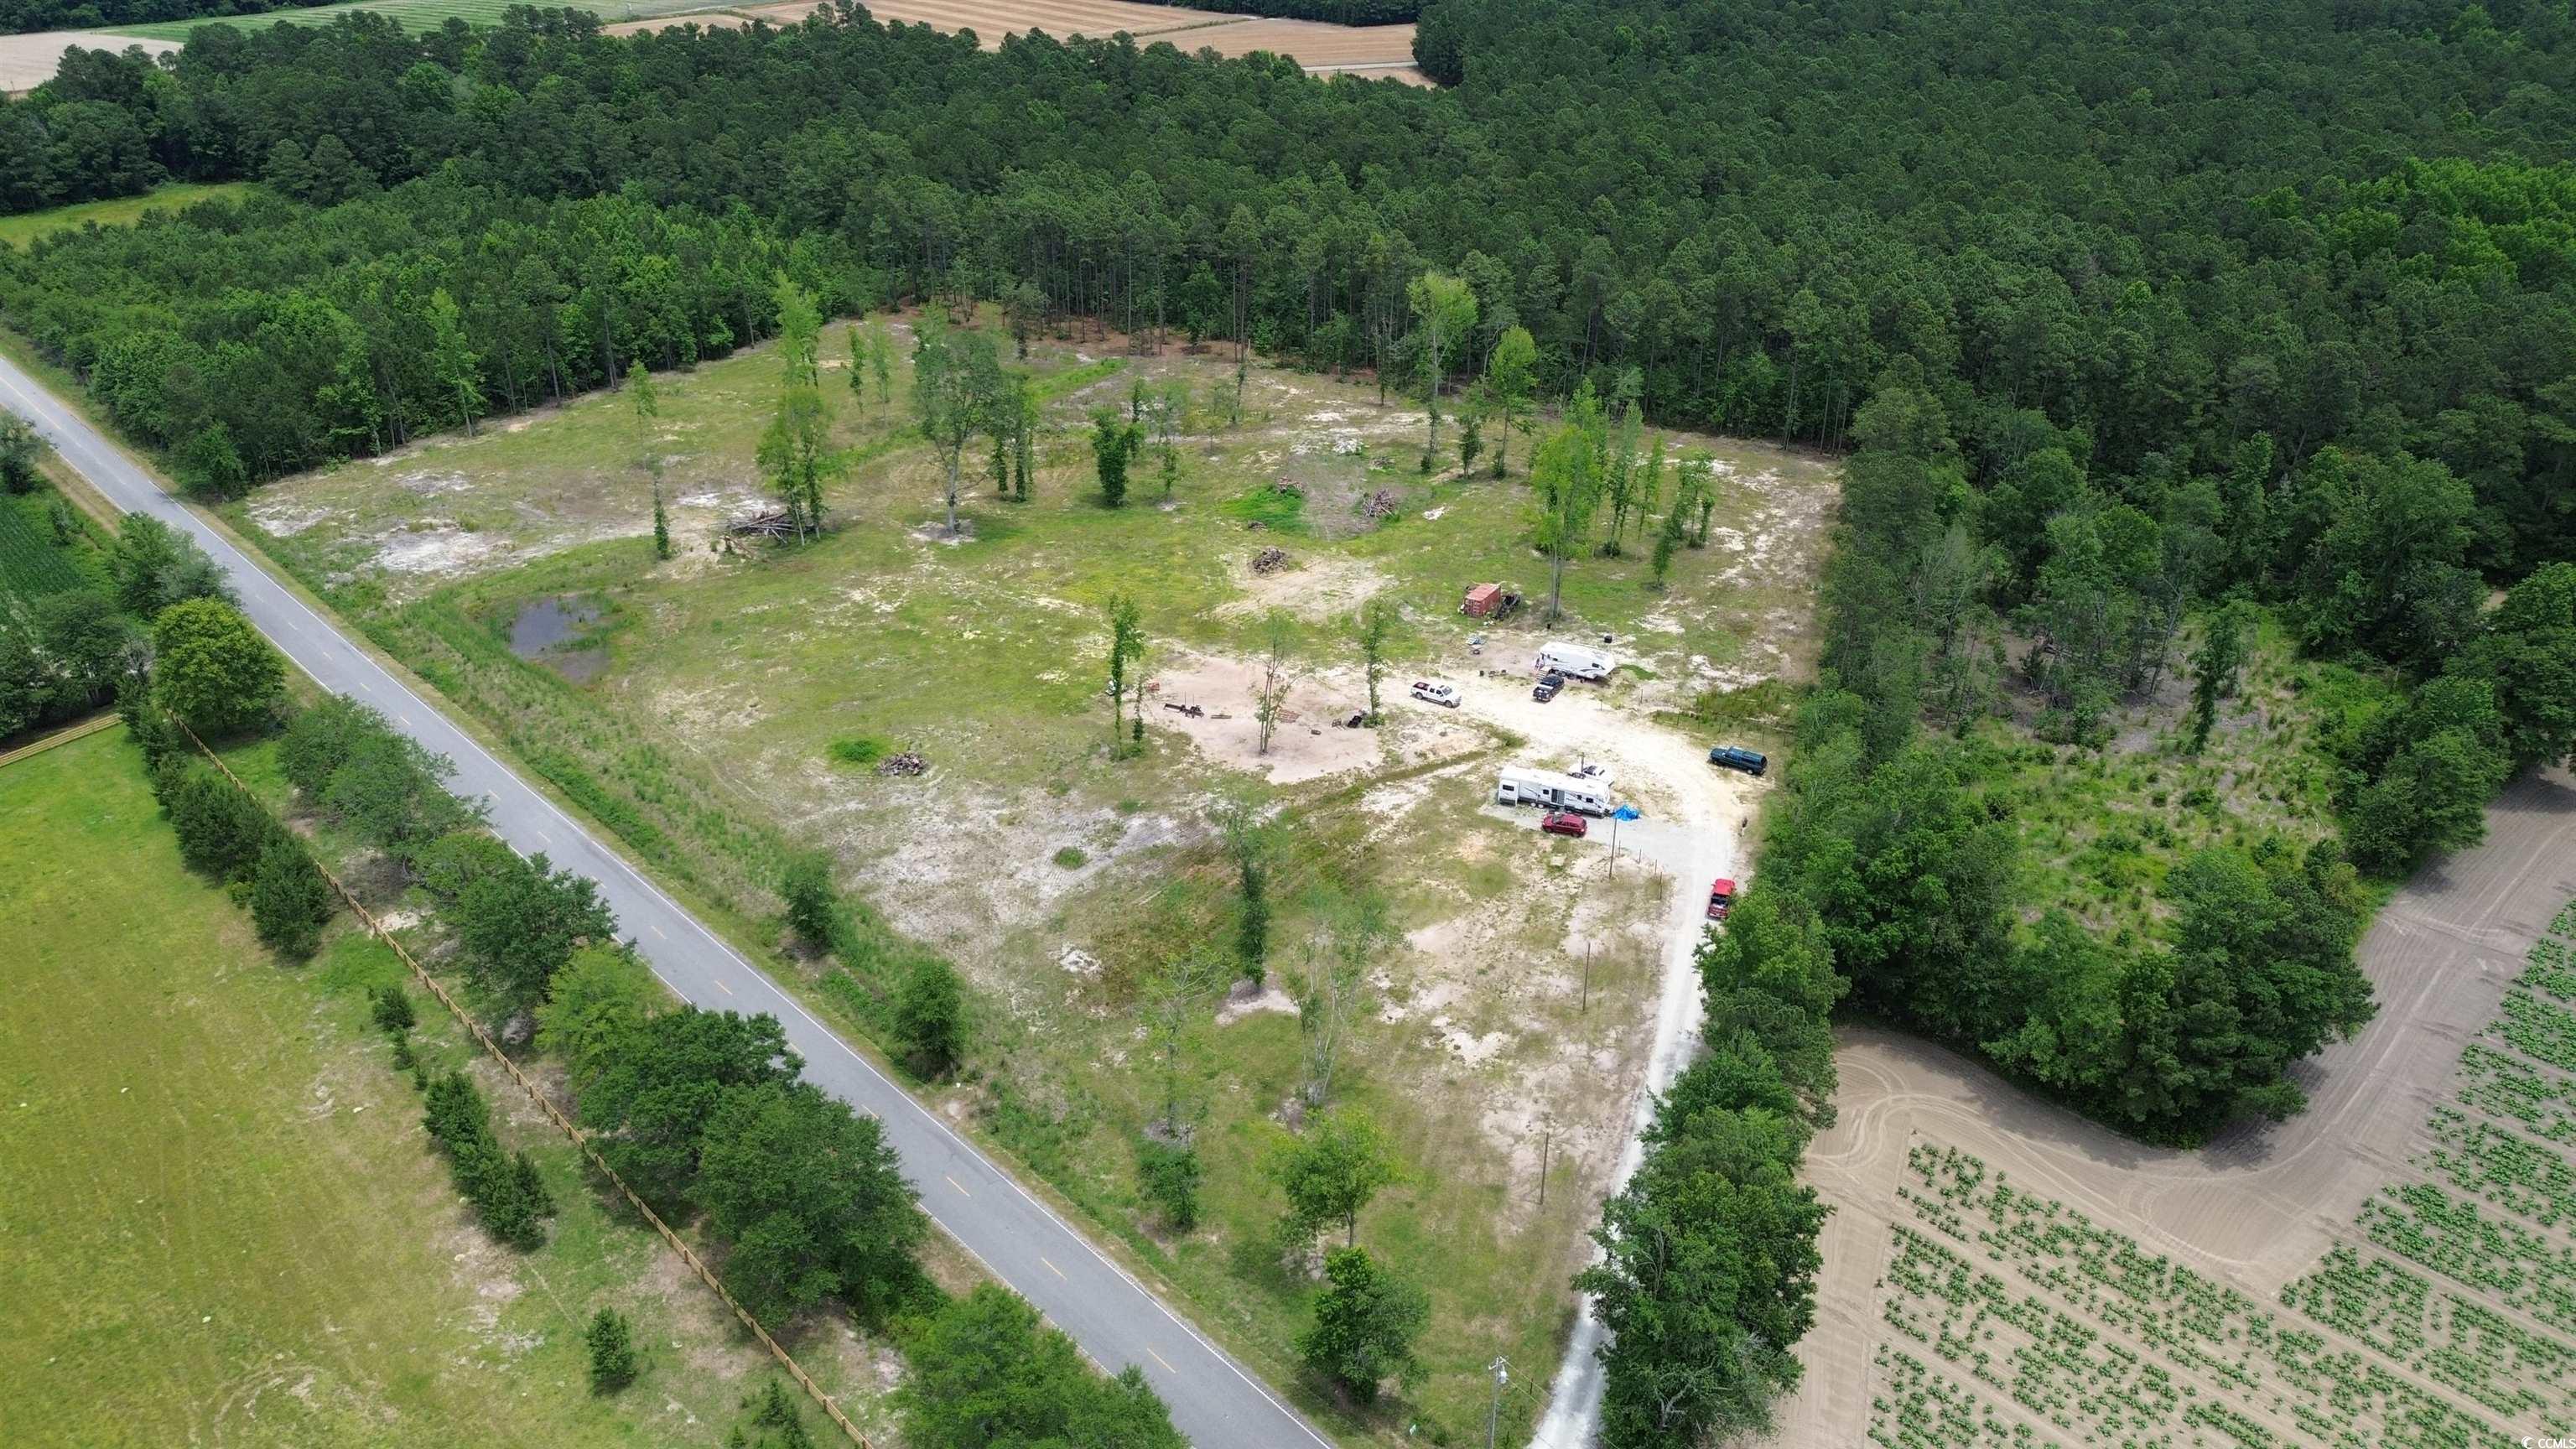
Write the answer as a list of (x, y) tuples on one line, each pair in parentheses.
[(661, 525), (289, 900), (612, 1351)]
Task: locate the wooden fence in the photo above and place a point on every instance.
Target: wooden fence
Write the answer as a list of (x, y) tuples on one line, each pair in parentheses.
[(554, 1114)]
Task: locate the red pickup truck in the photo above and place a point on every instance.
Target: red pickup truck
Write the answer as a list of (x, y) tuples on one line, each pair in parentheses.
[(1721, 895)]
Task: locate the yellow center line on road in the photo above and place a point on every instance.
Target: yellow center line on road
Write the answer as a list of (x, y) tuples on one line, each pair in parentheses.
[(720, 986), (369, 688), (1158, 1358), (961, 1187), (1052, 1268)]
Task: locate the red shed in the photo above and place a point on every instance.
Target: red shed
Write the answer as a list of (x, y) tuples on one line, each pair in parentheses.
[(1480, 600)]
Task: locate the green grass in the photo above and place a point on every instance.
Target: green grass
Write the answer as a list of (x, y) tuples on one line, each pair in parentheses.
[(26, 227), (416, 15), (224, 1222)]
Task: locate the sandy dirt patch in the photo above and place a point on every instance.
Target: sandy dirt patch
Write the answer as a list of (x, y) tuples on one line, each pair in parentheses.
[(1315, 589), (1307, 744)]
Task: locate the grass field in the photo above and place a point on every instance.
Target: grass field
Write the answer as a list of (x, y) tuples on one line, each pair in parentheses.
[(26, 227), (223, 1223), (416, 14), (697, 711)]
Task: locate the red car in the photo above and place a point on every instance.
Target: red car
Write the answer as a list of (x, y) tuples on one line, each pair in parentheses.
[(1721, 896), (1564, 822)]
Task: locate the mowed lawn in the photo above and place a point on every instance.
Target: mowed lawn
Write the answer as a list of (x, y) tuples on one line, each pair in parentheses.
[(220, 1223)]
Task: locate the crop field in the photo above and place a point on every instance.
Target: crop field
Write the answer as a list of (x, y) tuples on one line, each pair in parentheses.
[(32, 562), (2443, 1315), (28, 61), (723, 707), (1374, 50), (225, 1226), (410, 14)]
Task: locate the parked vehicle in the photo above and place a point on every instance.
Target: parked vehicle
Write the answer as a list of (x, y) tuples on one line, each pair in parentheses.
[(1521, 785), (1547, 687), (1576, 661), (1721, 898), (1736, 757), (1564, 822), (1433, 692)]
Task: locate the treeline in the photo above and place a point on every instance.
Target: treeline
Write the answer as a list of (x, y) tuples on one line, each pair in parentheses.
[(705, 1114), (1758, 245), (1707, 1276), (24, 17)]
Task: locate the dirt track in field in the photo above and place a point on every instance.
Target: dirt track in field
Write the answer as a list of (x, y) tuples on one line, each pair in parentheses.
[(2255, 1209), (1370, 51)]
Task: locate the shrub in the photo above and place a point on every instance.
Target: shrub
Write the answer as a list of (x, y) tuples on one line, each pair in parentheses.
[(612, 1351), (930, 1015), (1071, 857), (857, 750), (1167, 1174)]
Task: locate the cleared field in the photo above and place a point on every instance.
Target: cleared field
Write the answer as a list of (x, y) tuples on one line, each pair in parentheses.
[(2393, 1267), (224, 1225), (715, 686), (412, 15), (28, 61), (26, 227), (1317, 46)]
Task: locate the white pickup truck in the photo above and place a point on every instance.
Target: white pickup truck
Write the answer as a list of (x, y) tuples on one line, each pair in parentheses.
[(1433, 692)]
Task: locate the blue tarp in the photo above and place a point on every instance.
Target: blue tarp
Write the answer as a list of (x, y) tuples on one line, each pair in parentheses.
[(1625, 812)]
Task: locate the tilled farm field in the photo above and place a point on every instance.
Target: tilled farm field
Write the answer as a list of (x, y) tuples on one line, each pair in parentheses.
[(2395, 1267), (1384, 51)]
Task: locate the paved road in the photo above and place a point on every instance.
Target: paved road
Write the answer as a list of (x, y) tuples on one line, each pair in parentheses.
[(1213, 1400)]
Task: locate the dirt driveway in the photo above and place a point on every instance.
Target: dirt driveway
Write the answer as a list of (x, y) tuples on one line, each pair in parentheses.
[(2255, 1209), (1694, 829)]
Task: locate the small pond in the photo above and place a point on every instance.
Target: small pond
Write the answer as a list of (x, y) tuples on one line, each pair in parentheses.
[(552, 631)]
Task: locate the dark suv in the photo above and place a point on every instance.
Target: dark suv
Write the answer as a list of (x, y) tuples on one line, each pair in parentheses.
[(1736, 757), (1548, 685)]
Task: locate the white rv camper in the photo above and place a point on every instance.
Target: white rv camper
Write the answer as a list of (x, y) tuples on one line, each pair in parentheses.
[(1521, 785), (1575, 661)]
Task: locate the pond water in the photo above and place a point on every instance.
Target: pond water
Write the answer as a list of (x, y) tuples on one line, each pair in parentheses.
[(542, 629)]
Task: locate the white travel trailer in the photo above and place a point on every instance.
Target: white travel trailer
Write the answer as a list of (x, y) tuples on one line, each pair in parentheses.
[(1521, 785), (1575, 661)]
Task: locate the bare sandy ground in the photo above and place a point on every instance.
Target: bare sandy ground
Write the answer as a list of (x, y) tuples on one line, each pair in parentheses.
[(2252, 1211), (28, 61)]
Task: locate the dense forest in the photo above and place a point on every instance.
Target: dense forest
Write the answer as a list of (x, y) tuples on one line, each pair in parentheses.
[(22, 17), (2135, 320), (1337, 12)]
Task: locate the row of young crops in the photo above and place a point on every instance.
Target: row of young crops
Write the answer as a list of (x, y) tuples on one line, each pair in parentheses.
[(2010, 1313), (2030, 1303)]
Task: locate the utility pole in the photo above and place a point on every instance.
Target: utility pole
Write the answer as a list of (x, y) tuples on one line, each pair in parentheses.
[(1502, 1370), (1586, 1008)]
